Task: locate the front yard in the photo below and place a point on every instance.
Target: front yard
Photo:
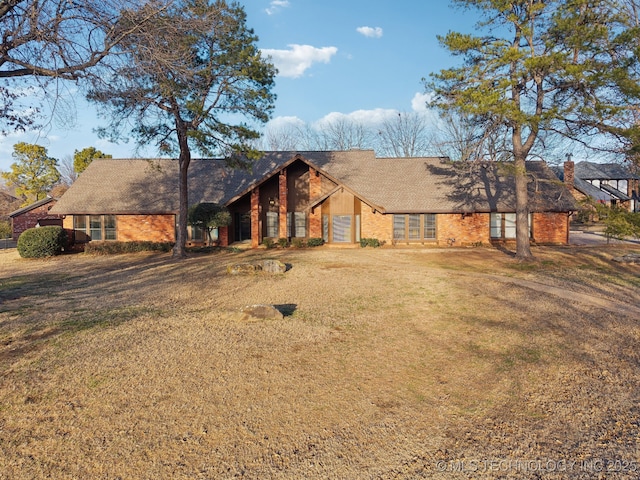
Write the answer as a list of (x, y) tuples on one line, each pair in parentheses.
[(453, 363)]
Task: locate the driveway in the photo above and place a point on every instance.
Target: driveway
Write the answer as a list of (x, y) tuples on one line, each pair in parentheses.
[(577, 237)]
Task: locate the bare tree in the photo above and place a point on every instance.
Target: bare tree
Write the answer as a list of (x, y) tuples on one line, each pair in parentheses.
[(343, 134), (52, 40), (283, 138), (405, 135), (68, 174)]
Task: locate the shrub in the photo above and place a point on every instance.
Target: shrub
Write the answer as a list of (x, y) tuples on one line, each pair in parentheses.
[(283, 242), (268, 242), (315, 242), (370, 242), (5, 229), (621, 223), (298, 243), (113, 248), (41, 242)]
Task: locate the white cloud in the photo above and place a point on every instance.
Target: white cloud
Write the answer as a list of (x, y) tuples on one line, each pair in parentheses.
[(276, 5), (419, 101), (294, 62), (285, 122), (360, 117), (372, 32)]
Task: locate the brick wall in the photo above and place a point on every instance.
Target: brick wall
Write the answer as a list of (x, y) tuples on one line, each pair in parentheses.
[(29, 219), (152, 228), (283, 203), (223, 236), (551, 228), (458, 230), (315, 215), (256, 235), (376, 225)]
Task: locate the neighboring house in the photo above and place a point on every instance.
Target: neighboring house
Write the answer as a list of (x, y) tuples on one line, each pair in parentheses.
[(36, 214), (8, 203), (338, 196), (607, 183)]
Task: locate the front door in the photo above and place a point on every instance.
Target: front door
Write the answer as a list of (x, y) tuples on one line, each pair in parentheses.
[(243, 226)]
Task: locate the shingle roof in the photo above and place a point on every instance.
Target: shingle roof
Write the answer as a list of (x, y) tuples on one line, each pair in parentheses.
[(603, 171), (394, 185), (31, 206)]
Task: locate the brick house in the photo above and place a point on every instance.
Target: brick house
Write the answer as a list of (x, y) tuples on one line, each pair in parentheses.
[(35, 214), (8, 203), (338, 196), (607, 183)]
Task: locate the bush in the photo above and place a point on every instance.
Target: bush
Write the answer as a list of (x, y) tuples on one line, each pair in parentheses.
[(5, 229), (370, 242), (620, 223), (283, 242), (268, 242), (113, 248), (298, 243), (315, 242), (41, 242)]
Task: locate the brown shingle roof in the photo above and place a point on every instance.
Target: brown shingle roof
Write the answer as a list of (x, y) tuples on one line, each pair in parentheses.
[(400, 185)]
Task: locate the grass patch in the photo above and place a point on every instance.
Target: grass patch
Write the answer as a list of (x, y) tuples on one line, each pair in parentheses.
[(385, 362), (84, 319)]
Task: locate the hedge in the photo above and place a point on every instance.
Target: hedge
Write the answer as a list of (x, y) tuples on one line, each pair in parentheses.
[(41, 242), (111, 248)]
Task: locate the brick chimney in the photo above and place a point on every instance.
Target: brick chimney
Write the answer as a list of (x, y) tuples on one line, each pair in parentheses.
[(569, 173)]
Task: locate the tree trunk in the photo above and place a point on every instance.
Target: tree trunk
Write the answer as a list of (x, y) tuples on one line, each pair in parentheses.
[(183, 162), (523, 246)]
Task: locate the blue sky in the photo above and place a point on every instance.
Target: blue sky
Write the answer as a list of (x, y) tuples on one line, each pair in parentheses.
[(359, 58)]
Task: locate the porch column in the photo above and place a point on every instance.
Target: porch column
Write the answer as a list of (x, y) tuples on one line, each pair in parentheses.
[(282, 204), (255, 218), (315, 214)]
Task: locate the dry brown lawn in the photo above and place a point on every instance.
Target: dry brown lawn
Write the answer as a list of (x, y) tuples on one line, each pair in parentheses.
[(389, 363)]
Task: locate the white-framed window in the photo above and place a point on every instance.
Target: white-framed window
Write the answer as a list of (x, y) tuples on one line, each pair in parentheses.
[(503, 225)]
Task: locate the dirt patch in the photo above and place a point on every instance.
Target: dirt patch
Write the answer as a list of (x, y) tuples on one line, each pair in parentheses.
[(455, 363)]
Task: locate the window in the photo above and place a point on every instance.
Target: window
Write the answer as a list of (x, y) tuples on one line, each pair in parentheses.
[(509, 225), (109, 227), (95, 227), (503, 225), (325, 228), (196, 233), (342, 228), (496, 225), (297, 220), (429, 226), (272, 224), (414, 227), (399, 222), (299, 224)]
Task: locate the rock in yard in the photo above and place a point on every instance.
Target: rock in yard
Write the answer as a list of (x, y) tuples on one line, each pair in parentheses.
[(267, 266), (243, 268), (261, 312), (273, 266)]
